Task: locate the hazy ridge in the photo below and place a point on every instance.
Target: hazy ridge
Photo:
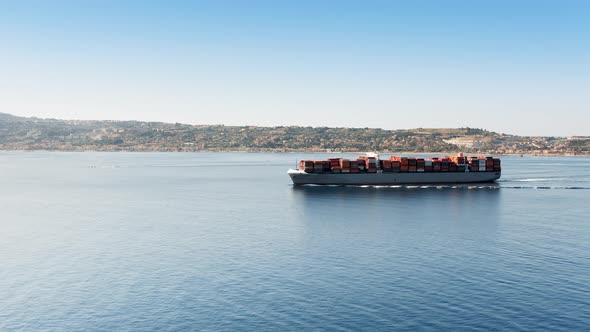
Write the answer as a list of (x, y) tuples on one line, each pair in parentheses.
[(21, 133)]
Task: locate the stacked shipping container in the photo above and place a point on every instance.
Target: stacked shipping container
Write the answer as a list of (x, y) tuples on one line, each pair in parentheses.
[(367, 164)]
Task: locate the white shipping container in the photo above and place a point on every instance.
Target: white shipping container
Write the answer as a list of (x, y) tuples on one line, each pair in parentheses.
[(427, 162)]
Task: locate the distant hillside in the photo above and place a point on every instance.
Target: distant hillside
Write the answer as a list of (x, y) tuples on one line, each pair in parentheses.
[(19, 133)]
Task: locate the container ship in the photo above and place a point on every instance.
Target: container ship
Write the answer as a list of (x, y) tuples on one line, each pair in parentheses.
[(370, 170)]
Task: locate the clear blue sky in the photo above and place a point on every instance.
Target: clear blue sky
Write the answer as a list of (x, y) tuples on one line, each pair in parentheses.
[(519, 67)]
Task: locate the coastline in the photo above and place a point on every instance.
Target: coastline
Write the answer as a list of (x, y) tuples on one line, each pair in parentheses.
[(527, 154)]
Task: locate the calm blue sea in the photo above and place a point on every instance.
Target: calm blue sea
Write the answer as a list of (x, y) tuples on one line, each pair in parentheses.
[(224, 242)]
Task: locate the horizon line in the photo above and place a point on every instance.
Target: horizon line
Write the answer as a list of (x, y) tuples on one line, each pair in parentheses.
[(277, 126)]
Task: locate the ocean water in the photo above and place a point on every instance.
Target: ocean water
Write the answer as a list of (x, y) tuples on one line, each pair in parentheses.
[(224, 242)]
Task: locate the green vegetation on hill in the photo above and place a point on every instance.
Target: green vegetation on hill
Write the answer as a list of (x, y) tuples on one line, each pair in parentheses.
[(18, 133)]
